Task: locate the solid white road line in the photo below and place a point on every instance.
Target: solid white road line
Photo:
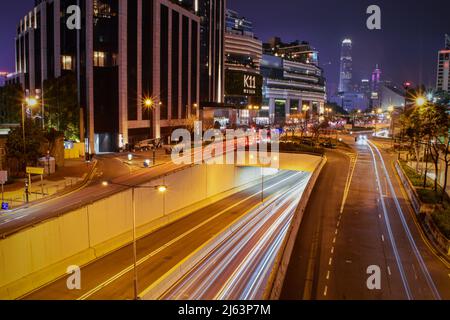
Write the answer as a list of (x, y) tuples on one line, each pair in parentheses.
[(407, 231), (391, 236)]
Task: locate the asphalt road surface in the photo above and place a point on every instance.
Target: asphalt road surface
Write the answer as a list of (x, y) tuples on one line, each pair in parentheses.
[(111, 277), (239, 267), (359, 217)]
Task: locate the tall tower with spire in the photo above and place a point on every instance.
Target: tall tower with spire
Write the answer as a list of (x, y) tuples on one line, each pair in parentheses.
[(346, 71)]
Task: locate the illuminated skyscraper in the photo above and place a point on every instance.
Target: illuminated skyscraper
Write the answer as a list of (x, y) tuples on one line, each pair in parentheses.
[(443, 70), (345, 79)]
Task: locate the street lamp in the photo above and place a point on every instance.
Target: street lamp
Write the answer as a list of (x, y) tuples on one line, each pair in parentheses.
[(160, 189), (420, 101)]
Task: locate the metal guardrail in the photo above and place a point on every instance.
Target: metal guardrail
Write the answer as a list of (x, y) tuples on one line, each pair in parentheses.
[(427, 224)]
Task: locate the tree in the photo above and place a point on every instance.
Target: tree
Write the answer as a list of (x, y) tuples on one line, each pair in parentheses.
[(11, 99), (435, 126), (33, 139), (411, 122), (61, 105)]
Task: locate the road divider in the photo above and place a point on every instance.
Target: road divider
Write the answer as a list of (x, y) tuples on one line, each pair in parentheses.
[(278, 273)]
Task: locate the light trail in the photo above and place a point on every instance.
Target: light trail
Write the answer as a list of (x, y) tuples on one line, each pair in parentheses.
[(250, 250), (419, 258), (391, 235)]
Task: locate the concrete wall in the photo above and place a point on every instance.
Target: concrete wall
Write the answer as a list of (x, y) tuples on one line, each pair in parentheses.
[(38, 255)]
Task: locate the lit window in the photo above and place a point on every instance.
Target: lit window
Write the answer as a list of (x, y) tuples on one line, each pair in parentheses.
[(99, 59), (67, 63)]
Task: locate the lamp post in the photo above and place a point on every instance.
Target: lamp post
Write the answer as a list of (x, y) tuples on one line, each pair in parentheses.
[(30, 102), (160, 189)]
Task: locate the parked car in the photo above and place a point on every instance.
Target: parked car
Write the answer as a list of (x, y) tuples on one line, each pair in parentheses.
[(144, 145), (328, 145)]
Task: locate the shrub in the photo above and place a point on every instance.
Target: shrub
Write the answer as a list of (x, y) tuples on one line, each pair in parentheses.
[(442, 221)]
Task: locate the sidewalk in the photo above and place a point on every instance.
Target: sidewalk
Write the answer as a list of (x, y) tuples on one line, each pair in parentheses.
[(73, 172)]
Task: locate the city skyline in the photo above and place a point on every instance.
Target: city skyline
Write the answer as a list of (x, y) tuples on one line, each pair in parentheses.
[(418, 43), (246, 151), (408, 35)]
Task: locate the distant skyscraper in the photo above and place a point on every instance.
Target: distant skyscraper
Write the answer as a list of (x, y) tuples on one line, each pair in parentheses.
[(345, 80), (376, 79), (443, 70)]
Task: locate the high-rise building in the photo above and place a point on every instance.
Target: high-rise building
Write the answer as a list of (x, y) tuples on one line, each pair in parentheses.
[(235, 23), (289, 86), (212, 50), (346, 69), (299, 51), (443, 69), (125, 52), (243, 82)]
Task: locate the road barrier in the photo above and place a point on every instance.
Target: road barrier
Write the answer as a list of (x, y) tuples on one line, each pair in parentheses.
[(278, 273), (38, 255), (426, 221)]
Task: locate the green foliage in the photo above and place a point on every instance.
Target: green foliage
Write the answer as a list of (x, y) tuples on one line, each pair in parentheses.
[(33, 139), (429, 196), (61, 105), (442, 220), (11, 98), (415, 178), (299, 148)]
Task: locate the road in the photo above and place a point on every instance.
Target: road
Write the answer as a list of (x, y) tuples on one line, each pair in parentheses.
[(238, 268), (366, 221), (110, 168), (111, 277)]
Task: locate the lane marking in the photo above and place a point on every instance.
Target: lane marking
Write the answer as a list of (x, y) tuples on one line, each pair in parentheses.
[(330, 261), (336, 232), (168, 244), (389, 270), (382, 238), (339, 222), (332, 250), (413, 216), (352, 166), (328, 275), (325, 291), (391, 236), (334, 240), (419, 258)]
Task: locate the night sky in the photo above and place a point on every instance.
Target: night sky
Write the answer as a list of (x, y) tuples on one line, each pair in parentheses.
[(406, 47)]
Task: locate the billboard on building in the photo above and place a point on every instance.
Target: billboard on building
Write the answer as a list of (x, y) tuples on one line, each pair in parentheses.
[(239, 83)]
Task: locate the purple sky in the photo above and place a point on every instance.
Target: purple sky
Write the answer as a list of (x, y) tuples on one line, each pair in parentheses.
[(406, 47)]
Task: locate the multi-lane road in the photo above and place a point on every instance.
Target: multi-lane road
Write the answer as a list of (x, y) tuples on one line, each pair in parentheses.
[(359, 217), (239, 267), (111, 277)]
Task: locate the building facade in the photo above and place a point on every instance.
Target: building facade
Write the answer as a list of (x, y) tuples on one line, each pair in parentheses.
[(243, 82), (288, 87), (299, 51), (126, 52), (346, 68), (212, 49), (391, 97), (443, 69)]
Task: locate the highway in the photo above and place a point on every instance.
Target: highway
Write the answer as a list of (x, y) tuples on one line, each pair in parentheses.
[(239, 267), (111, 277), (367, 221)]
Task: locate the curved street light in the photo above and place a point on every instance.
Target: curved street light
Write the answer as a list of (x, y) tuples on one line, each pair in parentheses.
[(160, 189)]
